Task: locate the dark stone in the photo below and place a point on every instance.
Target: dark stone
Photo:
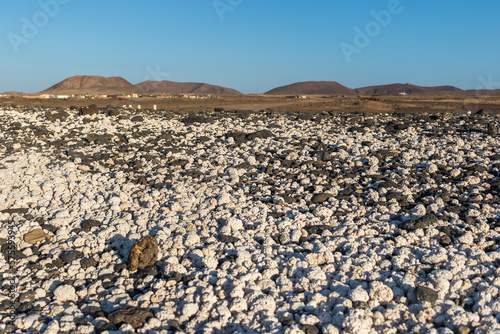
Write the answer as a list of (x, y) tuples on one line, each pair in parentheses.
[(425, 294), (90, 110), (175, 326), (151, 270), (50, 228), (25, 307), (120, 267), (320, 198), (454, 209), (445, 240), (491, 248), (310, 329), (287, 321), (56, 115), (11, 211), (492, 130), (70, 255), (289, 199), (102, 326), (144, 253), (113, 112), (260, 134), (87, 225), (317, 229), (87, 263), (228, 239), (360, 304), (57, 263), (218, 109), (135, 316), (27, 297), (137, 119), (82, 321), (180, 163), (175, 276), (111, 277), (108, 284), (422, 222), (383, 153), (388, 184)]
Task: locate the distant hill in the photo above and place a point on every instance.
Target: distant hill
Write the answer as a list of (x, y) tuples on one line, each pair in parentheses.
[(82, 84), (406, 88), (12, 93), (170, 87), (312, 88)]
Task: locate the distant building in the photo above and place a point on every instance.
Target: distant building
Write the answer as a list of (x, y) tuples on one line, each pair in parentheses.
[(297, 97), (59, 96), (403, 93)]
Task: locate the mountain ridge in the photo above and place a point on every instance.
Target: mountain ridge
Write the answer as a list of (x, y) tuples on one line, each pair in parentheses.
[(171, 87), (91, 84)]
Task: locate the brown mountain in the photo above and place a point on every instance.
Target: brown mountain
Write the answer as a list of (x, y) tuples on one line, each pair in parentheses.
[(170, 87), (82, 84), (407, 88), (312, 88), (12, 93)]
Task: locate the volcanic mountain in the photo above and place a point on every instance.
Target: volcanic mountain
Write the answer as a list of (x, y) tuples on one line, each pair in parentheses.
[(170, 87), (407, 88), (12, 93), (83, 84), (311, 88)]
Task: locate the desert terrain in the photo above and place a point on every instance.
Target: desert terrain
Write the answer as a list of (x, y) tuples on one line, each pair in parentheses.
[(454, 103)]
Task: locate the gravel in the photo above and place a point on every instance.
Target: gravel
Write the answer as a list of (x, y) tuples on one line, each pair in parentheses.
[(158, 221)]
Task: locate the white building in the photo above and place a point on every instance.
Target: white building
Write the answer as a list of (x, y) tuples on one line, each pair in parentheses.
[(60, 96)]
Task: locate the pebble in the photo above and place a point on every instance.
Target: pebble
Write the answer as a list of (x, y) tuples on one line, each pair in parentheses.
[(64, 293), (144, 253), (134, 316), (425, 294), (36, 236)]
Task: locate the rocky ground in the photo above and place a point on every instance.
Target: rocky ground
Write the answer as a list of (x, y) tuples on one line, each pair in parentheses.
[(119, 221)]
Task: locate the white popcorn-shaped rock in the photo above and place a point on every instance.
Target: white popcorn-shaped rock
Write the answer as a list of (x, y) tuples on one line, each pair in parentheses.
[(357, 322), (266, 303), (359, 295), (189, 309), (191, 239), (235, 224), (64, 293), (381, 292)]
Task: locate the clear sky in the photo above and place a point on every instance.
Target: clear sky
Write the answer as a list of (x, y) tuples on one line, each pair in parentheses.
[(251, 45)]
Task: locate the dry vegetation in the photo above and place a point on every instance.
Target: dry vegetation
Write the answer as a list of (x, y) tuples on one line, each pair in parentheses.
[(385, 103)]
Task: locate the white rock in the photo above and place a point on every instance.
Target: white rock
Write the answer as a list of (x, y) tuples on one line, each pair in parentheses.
[(189, 309), (64, 293), (381, 292), (359, 295)]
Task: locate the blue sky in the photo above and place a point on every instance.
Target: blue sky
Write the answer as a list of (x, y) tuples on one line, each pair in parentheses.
[(251, 45)]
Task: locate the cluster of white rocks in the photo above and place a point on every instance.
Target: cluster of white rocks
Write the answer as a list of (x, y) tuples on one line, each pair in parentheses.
[(265, 222)]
